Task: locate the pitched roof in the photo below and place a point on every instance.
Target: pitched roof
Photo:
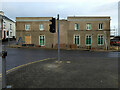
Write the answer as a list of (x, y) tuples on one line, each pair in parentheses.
[(5, 17)]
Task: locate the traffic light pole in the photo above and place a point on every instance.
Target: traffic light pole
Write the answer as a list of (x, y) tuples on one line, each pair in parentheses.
[(4, 54), (4, 83), (58, 39)]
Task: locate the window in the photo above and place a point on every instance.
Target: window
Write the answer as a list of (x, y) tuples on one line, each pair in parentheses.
[(100, 39), (88, 26), (41, 27), (76, 26), (27, 27), (42, 40), (88, 39), (100, 26), (77, 40), (10, 26), (4, 25)]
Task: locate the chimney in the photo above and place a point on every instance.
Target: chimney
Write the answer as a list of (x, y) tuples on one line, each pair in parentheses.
[(2, 13)]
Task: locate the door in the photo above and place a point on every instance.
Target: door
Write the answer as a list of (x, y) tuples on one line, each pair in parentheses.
[(4, 34), (27, 39)]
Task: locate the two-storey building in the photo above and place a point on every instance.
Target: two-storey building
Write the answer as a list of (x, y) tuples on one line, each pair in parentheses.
[(89, 32), (35, 30), (75, 32), (0, 28), (7, 26)]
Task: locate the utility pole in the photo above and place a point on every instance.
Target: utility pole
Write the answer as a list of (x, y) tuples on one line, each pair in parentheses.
[(58, 39)]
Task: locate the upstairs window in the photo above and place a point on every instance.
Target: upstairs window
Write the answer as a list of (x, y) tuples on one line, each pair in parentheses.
[(10, 26), (88, 27), (100, 26), (27, 27), (41, 27), (4, 25), (76, 26)]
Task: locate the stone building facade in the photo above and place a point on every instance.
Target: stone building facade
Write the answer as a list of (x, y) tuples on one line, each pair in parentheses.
[(75, 32)]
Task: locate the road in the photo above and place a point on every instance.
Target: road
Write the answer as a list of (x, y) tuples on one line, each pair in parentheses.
[(19, 56), (87, 69)]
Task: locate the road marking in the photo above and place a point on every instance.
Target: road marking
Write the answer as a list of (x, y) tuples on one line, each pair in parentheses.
[(25, 65)]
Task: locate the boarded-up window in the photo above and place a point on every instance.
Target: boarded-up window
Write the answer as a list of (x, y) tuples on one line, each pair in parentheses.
[(27, 39)]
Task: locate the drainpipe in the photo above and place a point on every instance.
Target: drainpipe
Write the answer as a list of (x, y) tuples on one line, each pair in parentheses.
[(105, 40)]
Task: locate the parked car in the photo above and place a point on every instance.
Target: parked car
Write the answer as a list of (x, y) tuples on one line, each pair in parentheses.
[(115, 42)]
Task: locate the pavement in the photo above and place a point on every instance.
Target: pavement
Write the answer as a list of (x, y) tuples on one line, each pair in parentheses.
[(115, 49), (73, 73), (12, 44)]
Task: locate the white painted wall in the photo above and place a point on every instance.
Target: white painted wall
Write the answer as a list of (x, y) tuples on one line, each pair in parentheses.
[(0, 28), (119, 18), (12, 31)]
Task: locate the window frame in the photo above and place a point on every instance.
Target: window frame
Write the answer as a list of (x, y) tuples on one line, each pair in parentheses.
[(4, 25), (76, 26), (74, 40), (89, 26), (100, 26), (100, 39), (44, 40), (40, 27), (26, 26), (10, 26), (86, 40)]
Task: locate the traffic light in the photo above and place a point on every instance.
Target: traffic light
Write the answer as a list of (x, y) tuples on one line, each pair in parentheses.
[(53, 25)]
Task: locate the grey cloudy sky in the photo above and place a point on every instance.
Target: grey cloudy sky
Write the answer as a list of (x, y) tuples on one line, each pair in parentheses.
[(49, 8)]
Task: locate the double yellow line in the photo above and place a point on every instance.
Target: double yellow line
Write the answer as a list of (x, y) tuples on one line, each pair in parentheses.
[(25, 65)]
